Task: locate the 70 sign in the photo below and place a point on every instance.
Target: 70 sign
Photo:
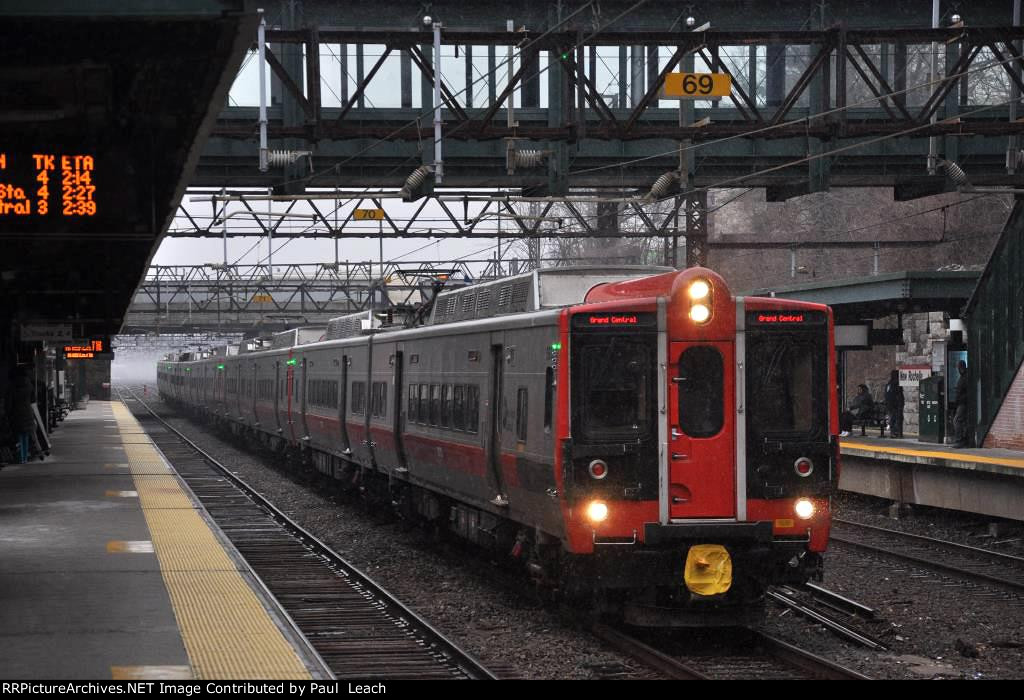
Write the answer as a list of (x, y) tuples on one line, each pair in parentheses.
[(697, 85)]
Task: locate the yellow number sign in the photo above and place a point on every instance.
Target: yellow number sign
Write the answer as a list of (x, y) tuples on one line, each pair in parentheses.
[(369, 214), (697, 85)]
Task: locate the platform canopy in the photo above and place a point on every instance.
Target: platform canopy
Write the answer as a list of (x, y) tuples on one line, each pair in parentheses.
[(105, 108), (877, 296)]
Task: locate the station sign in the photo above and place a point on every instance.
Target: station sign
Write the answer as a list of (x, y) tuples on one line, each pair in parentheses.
[(47, 332), (38, 185), (369, 215), (910, 375), (87, 350), (696, 86)]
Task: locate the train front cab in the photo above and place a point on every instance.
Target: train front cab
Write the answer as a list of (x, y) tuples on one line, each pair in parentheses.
[(701, 446)]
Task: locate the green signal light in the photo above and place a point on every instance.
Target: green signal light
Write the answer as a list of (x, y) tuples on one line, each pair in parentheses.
[(220, 366), (292, 361), (556, 346), (565, 55)]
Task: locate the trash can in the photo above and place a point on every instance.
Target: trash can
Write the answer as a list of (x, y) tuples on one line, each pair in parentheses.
[(931, 410)]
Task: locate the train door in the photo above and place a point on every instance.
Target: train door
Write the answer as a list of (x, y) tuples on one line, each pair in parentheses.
[(343, 404), (278, 390), (291, 405), (398, 412), (359, 404), (495, 414), (702, 473), (304, 404)]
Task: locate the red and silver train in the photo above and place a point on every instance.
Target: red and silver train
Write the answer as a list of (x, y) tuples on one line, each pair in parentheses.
[(648, 440)]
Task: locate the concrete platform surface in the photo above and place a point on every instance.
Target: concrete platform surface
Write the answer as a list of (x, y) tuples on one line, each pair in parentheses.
[(109, 569), (984, 481)]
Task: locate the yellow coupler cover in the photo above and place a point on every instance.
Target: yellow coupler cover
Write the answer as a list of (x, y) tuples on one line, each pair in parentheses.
[(708, 569)]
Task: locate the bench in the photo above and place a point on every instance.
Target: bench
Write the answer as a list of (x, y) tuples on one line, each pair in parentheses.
[(878, 417)]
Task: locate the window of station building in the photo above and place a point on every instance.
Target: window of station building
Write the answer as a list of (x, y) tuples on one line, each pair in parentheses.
[(379, 399), (446, 406), (358, 397), (700, 388), (521, 414)]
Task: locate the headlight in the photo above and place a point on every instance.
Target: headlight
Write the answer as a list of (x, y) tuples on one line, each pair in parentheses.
[(804, 508), (699, 289), (597, 512), (699, 313)]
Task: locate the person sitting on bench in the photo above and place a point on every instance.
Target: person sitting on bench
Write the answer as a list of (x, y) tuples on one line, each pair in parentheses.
[(863, 406)]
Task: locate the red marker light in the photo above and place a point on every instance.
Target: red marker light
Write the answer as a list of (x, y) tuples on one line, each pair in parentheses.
[(803, 466)]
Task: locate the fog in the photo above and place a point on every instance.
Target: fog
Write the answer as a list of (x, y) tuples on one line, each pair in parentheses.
[(137, 367)]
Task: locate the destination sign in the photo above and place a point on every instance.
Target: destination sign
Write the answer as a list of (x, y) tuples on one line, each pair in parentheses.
[(783, 317), (618, 319), (47, 185)]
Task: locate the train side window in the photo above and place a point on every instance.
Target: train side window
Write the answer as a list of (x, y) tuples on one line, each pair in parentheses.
[(459, 407), (435, 404), (700, 382), (472, 408), (549, 397), (522, 405), (379, 399), (358, 397), (446, 405), (414, 401), (424, 400)]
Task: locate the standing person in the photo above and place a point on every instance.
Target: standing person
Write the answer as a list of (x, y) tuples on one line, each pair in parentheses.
[(23, 419), (960, 401), (894, 404)]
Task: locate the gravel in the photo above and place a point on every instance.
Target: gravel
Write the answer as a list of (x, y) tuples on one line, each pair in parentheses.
[(935, 625), (457, 593)]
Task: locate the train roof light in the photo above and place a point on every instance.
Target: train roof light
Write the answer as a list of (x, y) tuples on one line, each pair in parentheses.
[(700, 313), (699, 289)]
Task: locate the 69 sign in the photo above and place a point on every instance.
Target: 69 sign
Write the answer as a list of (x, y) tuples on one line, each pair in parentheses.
[(697, 85)]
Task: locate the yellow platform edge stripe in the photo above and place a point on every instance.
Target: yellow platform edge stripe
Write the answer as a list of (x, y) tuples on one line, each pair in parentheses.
[(953, 457), (226, 630)]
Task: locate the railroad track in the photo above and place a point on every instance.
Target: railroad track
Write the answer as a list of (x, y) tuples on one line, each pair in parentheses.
[(357, 627), (726, 654), (791, 598), (972, 563)]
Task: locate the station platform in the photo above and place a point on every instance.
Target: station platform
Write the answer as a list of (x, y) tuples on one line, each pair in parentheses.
[(975, 480), (110, 570)]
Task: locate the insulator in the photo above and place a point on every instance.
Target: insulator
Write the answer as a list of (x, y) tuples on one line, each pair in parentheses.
[(662, 185), (956, 173), (529, 158), (415, 181), (280, 159)]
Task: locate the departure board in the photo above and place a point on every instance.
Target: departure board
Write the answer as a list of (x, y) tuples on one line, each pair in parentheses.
[(47, 186)]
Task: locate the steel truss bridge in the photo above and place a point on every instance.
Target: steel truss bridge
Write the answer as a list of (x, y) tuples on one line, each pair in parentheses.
[(259, 299), (824, 94)]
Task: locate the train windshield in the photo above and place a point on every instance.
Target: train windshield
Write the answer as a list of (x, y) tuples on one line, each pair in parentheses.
[(614, 391), (787, 379)]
